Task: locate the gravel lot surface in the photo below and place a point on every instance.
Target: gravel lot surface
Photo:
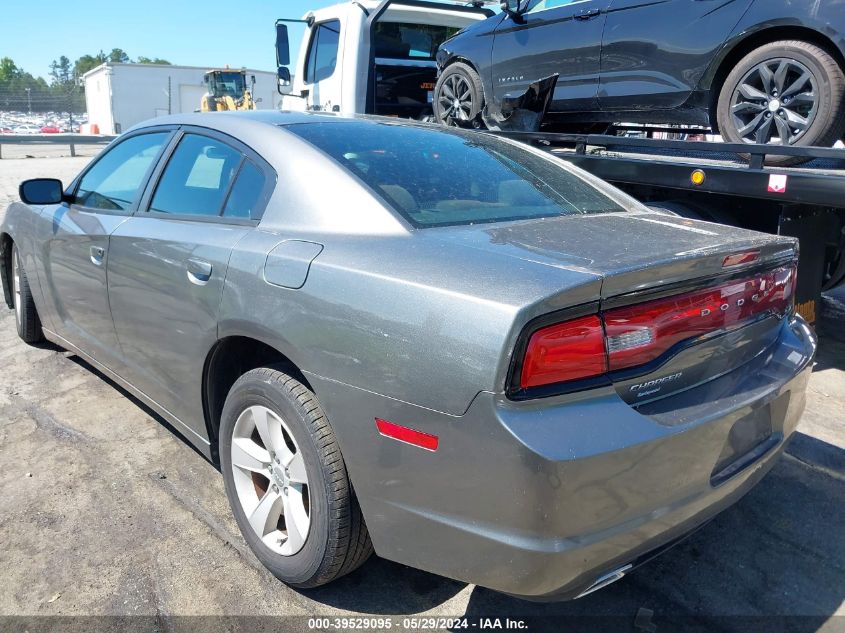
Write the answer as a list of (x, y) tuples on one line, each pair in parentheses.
[(106, 511)]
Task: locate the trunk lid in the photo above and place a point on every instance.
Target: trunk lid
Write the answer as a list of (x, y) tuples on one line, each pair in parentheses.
[(646, 258), (632, 251)]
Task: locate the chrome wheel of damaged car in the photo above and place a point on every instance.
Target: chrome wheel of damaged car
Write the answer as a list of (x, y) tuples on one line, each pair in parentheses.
[(271, 480), (776, 101)]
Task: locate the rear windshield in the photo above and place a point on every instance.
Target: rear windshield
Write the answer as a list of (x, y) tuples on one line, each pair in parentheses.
[(435, 176)]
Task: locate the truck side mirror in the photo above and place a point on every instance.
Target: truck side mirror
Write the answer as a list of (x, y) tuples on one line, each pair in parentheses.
[(284, 78), (282, 45)]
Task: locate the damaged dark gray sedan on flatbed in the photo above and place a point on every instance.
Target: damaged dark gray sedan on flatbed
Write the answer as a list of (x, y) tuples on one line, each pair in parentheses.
[(445, 346)]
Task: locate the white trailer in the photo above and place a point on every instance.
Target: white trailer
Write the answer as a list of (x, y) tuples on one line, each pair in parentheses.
[(371, 56), (118, 96)]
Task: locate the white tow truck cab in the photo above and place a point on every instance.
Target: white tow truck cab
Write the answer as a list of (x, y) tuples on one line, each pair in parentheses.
[(370, 56)]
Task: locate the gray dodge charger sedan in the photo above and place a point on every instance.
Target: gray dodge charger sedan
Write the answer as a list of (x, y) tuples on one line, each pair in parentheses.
[(441, 345)]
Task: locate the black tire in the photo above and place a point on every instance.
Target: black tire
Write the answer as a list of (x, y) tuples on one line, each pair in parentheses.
[(464, 108), (337, 541), (26, 315), (826, 116)]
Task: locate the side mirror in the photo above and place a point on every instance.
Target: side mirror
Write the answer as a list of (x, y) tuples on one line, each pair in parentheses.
[(511, 7), (284, 78), (282, 45), (41, 191)]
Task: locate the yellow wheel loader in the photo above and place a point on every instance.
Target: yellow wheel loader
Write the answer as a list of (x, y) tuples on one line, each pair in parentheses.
[(227, 90)]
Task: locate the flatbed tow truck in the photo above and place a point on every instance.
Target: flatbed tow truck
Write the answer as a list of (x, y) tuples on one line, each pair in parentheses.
[(378, 57)]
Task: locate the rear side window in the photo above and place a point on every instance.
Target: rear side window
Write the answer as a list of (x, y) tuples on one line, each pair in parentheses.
[(436, 176), (322, 53), (197, 177), (113, 183), (246, 193)]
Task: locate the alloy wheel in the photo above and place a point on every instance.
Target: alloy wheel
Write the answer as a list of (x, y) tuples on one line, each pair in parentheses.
[(775, 102), (455, 100), (271, 481)]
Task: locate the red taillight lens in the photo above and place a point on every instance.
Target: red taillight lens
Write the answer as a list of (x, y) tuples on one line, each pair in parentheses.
[(563, 352), (640, 333), (635, 335)]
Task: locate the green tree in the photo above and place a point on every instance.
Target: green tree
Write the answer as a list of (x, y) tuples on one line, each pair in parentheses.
[(118, 56), (8, 70), (147, 60), (87, 62), (61, 71)]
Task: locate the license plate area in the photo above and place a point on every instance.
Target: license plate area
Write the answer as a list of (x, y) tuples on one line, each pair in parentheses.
[(751, 437)]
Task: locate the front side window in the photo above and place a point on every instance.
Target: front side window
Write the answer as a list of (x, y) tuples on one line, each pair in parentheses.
[(197, 177), (322, 54), (436, 176), (114, 182)]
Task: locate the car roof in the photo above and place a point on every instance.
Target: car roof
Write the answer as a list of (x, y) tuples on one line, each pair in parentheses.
[(220, 120)]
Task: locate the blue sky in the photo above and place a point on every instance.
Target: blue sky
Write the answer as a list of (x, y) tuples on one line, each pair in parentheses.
[(208, 33)]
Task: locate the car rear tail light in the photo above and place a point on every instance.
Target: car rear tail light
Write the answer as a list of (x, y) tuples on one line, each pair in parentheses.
[(634, 335), (641, 333), (563, 352)]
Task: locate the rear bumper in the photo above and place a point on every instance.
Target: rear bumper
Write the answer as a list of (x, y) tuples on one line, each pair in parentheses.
[(541, 499)]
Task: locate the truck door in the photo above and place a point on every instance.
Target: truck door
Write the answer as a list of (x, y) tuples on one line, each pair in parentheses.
[(322, 77), (551, 36), (654, 52)]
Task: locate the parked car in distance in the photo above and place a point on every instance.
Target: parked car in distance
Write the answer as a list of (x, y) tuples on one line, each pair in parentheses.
[(476, 372), (755, 71), (27, 129), (50, 129)]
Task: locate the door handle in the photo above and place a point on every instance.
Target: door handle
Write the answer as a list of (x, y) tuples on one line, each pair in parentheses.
[(586, 14), (199, 271), (97, 255)]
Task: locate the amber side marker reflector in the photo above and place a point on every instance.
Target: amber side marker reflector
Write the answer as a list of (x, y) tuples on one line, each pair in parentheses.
[(409, 436), (698, 177)]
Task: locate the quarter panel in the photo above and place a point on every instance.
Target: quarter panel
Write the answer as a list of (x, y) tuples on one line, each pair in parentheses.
[(827, 18), (412, 318)]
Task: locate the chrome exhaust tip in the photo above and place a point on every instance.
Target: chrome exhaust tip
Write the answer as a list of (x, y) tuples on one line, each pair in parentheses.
[(605, 580)]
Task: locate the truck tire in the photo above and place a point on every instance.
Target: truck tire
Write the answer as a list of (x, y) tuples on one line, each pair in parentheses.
[(287, 483), (789, 89), (459, 97), (26, 315)]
